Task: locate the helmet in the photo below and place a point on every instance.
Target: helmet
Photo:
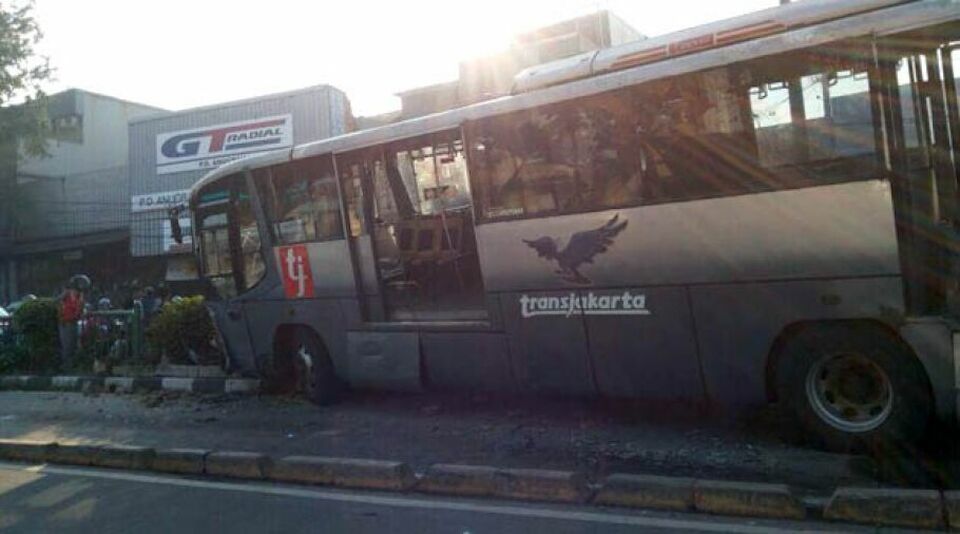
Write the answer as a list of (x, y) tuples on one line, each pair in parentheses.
[(80, 282), (104, 304)]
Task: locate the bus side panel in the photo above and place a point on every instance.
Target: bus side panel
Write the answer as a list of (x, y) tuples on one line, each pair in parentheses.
[(324, 316), (549, 353), (467, 361), (737, 324), (647, 356), (831, 231), (331, 268)]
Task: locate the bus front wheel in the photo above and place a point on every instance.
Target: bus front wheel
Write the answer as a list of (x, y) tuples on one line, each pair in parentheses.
[(313, 371), (853, 388)]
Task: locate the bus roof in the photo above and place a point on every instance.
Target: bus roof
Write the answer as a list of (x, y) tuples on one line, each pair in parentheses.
[(895, 17)]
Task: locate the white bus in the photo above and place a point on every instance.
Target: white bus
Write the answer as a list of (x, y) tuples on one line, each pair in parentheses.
[(762, 209)]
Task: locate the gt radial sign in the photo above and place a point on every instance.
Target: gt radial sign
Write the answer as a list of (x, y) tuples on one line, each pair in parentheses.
[(210, 147)]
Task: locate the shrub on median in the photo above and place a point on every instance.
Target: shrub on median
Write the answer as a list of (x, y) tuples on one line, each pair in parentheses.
[(36, 344), (183, 331), (13, 357)]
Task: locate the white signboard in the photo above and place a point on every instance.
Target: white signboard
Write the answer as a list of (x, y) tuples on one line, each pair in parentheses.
[(212, 146), (159, 201), (170, 245)]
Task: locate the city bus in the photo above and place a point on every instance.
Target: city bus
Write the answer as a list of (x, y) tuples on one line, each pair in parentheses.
[(759, 210)]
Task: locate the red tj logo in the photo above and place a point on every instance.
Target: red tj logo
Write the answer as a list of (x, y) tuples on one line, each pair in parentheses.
[(295, 271), (224, 139)]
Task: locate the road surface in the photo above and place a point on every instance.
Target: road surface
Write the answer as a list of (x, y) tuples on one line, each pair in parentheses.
[(426, 429)]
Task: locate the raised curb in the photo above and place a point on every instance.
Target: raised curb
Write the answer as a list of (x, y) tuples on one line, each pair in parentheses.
[(344, 472), (72, 454), (889, 507), (129, 384), (470, 480), (26, 451), (184, 461), (541, 485), (880, 507), (746, 499), (951, 500), (646, 491), (124, 457), (236, 464)]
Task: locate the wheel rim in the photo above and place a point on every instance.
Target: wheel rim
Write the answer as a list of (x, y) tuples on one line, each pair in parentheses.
[(850, 392)]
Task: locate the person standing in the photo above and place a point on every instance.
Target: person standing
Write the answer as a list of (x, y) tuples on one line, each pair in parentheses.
[(70, 312)]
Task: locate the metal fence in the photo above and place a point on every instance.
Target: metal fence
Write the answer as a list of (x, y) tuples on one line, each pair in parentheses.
[(114, 334)]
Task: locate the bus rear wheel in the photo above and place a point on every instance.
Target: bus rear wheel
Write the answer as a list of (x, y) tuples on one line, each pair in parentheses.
[(853, 388), (313, 372)]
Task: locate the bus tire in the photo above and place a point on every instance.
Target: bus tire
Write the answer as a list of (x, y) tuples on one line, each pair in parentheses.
[(853, 388), (313, 370)]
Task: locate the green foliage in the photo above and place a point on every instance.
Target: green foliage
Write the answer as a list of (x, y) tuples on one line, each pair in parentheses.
[(182, 327), (22, 73), (13, 357), (35, 325)]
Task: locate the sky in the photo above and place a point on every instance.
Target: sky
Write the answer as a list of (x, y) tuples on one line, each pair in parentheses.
[(178, 54)]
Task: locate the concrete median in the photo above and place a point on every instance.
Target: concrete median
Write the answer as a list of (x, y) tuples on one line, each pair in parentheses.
[(881, 507), (451, 479), (646, 491), (343, 472), (74, 454), (130, 384), (746, 499), (183, 461), (26, 451), (887, 507), (951, 499), (124, 457), (251, 465), (541, 485)]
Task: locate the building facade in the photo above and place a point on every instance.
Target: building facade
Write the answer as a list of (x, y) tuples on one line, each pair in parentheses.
[(68, 212), (171, 152)]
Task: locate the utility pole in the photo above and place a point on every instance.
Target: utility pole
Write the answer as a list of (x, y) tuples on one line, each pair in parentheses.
[(8, 183)]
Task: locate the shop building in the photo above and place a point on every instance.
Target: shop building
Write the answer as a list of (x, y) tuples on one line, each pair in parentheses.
[(68, 212)]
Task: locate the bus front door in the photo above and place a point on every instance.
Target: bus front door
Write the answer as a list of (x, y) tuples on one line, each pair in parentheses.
[(412, 231)]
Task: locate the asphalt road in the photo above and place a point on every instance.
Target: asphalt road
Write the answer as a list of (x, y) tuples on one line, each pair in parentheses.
[(47, 499), (426, 429)]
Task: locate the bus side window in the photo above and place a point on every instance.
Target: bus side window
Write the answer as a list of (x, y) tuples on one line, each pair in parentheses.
[(254, 267), (302, 201), (609, 169), (812, 114), (528, 163), (694, 137)]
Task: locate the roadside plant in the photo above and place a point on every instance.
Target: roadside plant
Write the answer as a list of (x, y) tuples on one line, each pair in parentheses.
[(35, 329), (183, 333)]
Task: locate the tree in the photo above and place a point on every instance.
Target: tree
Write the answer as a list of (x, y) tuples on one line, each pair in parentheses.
[(23, 109), (22, 73)]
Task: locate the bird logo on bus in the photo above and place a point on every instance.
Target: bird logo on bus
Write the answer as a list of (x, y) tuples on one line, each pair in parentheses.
[(581, 249)]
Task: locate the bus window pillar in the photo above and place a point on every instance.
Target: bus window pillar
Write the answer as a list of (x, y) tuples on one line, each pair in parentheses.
[(798, 118)]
